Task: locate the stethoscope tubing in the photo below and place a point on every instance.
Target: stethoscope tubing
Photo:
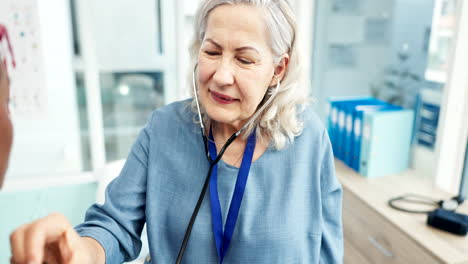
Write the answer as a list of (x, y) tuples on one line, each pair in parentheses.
[(188, 231), (212, 162)]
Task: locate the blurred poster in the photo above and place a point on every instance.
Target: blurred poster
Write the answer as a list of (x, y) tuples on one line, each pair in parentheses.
[(377, 30), (21, 20), (346, 6), (342, 55)]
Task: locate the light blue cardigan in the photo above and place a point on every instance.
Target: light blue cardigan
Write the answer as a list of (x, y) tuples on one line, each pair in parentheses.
[(290, 212)]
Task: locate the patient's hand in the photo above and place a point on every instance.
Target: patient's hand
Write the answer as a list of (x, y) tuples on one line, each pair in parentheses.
[(52, 240), (6, 130)]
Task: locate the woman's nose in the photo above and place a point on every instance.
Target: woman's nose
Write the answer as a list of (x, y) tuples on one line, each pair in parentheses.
[(224, 74)]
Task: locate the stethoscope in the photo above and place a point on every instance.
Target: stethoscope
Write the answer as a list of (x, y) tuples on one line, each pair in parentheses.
[(216, 160)]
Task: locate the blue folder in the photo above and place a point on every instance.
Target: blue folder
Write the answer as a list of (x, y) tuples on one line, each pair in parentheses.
[(386, 142), (346, 137), (334, 116), (356, 133)]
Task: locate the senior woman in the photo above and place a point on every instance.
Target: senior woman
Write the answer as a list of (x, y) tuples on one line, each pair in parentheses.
[(272, 197)]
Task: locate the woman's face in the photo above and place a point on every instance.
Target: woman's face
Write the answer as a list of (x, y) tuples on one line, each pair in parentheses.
[(235, 64)]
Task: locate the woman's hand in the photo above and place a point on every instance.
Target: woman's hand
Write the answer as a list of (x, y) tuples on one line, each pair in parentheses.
[(53, 240), (4, 81), (6, 134)]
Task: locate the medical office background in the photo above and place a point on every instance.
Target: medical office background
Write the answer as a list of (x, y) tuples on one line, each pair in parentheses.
[(90, 73)]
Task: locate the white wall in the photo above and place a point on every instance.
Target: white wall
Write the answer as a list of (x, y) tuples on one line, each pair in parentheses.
[(50, 144)]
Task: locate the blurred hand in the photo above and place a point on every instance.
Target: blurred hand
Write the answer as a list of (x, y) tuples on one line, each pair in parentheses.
[(4, 81), (53, 240), (6, 129), (4, 86)]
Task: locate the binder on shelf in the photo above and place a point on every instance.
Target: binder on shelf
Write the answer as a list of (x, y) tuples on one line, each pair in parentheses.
[(356, 134), (347, 138), (386, 141), (339, 130), (335, 119), (428, 122), (428, 118)]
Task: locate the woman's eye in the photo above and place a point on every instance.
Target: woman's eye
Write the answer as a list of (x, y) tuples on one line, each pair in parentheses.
[(245, 61), (212, 53)]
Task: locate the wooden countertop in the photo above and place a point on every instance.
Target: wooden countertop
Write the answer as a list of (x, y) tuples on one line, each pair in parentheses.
[(376, 192)]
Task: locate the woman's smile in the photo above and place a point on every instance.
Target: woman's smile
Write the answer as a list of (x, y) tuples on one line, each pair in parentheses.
[(222, 98)]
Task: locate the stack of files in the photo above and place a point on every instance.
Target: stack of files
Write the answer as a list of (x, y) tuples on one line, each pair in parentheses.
[(355, 127), (336, 120), (341, 121)]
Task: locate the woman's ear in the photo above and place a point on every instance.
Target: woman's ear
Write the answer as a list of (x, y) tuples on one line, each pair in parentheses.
[(280, 70)]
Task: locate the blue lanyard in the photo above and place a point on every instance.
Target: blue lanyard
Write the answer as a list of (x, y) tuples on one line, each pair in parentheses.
[(223, 240)]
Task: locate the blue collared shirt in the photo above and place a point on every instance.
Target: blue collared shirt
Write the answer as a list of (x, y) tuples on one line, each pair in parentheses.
[(290, 212)]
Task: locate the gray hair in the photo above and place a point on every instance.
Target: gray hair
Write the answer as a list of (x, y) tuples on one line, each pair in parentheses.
[(280, 121)]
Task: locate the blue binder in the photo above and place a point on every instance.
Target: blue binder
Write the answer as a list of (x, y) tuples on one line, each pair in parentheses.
[(428, 122), (386, 142), (347, 138), (356, 134), (335, 119)]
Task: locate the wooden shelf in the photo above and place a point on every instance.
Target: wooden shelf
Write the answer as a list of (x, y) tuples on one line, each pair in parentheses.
[(373, 195)]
